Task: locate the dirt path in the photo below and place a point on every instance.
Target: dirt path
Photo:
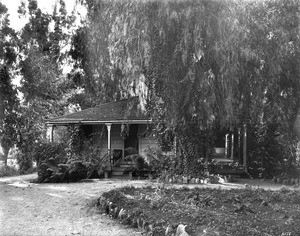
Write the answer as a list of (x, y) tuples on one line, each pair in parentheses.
[(56, 209)]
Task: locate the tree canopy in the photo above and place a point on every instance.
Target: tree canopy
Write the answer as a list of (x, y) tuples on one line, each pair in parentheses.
[(197, 65), (204, 63)]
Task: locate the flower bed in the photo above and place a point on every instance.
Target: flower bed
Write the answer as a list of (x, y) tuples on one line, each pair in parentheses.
[(205, 211)]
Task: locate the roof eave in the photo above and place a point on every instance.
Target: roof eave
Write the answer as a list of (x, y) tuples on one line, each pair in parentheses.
[(95, 122)]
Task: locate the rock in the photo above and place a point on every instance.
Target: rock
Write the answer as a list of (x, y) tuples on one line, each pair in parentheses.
[(292, 181), (169, 231), (145, 225), (140, 223), (214, 179), (192, 181), (185, 180), (121, 214), (207, 181), (167, 178), (111, 208), (134, 224), (180, 231), (116, 212), (230, 179), (197, 181)]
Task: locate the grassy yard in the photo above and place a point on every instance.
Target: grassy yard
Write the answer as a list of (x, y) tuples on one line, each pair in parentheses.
[(208, 211)]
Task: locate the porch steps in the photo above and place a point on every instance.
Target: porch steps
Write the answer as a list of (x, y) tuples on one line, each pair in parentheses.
[(119, 170)]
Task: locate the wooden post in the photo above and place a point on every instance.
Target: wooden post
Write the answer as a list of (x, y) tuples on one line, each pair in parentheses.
[(239, 144), (226, 145), (50, 132), (245, 145), (232, 145), (108, 125)]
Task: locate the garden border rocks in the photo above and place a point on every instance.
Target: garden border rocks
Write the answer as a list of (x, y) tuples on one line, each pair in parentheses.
[(136, 220), (125, 217)]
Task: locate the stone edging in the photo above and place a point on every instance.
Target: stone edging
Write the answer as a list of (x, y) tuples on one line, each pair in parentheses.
[(147, 228), (116, 212)]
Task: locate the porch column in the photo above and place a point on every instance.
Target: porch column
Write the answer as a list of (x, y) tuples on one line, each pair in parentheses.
[(245, 145), (226, 145), (239, 144), (232, 144), (108, 125), (50, 132)]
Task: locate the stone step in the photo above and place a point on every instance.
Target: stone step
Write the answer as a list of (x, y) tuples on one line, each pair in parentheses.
[(117, 173)]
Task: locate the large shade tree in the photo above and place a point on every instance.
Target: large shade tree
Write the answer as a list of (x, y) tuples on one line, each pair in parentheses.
[(206, 64)]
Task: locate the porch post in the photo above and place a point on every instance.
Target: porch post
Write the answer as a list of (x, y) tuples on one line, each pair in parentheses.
[(108, 125), (245, 145), (239, 143), (232, 144), (226, 145), (50, 132)]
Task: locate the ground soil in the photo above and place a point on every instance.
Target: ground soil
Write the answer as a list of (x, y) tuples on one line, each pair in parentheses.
[(68, 209), (56, 209)]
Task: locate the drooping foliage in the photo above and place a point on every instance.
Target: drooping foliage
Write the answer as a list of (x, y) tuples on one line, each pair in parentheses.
[(206, 64), (197, 65)]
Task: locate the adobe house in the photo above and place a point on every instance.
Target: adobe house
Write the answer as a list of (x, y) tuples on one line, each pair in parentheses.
[(124, 122)]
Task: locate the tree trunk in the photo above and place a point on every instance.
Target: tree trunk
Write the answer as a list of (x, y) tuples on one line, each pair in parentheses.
[(5, 150)]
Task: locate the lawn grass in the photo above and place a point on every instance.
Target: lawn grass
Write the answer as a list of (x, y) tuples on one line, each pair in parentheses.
[(208, 211)]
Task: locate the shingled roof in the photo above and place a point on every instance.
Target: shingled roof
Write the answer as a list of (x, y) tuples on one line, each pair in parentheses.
[(122, 111)]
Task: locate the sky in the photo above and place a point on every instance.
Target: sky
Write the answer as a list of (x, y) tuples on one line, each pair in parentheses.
[(45, 5)]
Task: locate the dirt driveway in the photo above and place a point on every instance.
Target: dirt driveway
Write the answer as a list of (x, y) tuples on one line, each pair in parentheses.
[(56, 209)]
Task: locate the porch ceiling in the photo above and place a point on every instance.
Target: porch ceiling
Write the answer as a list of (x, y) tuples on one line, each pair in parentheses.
[(123, 111)]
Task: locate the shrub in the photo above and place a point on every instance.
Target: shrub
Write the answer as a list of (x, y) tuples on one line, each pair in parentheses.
[(8, 171), (58, 163), (24, 161), (160, 162)]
